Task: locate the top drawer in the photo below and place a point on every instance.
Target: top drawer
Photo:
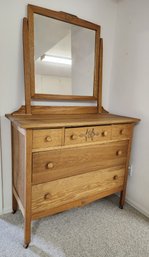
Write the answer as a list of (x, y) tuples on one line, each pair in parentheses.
[(87, 134), (122, 131), (47, 138)]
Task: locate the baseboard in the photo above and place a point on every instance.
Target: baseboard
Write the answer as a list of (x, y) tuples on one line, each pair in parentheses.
[(138, 207), (6, 211)]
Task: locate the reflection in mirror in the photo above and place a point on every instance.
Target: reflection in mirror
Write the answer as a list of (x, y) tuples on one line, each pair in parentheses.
[(64, 57)]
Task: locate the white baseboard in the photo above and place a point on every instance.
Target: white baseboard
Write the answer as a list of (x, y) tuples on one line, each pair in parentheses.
[(135, 205), (138, 207), (6, 211)]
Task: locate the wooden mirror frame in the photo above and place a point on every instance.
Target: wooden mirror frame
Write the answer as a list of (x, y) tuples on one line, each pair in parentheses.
[(72, 19)]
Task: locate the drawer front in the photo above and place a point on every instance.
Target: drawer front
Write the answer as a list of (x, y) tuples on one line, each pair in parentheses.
[(47, 138), (87, 134), (60, 163), (58, 193), (122, 131)]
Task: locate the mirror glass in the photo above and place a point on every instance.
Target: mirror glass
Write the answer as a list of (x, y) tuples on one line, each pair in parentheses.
[(64, 56)]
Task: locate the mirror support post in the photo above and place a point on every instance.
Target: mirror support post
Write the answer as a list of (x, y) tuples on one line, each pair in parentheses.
[(26, 58), (99, 100)]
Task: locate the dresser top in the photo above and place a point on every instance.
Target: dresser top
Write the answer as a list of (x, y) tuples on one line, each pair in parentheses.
[(53, 121)]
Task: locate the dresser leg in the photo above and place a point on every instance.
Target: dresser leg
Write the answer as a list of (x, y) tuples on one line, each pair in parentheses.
[(122, 199), (14, 204), (27, 232)]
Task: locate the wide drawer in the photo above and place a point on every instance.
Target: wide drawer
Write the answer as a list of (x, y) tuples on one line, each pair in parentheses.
[(60, 163), (87, 134), (45, 138), (122, 131), (57, 193)]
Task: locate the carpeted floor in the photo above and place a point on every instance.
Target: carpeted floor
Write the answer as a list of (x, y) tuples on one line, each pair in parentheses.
[(99, 229)]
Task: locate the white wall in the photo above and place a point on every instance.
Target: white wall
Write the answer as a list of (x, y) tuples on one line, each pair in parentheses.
[(1, 198), (102, 12), (129, 92)]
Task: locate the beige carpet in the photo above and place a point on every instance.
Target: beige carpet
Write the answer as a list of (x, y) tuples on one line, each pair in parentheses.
[(99, 229)]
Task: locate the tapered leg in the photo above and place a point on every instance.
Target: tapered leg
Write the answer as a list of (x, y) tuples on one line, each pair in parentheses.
[(27, 232), (28, 190), (14, 204), (122, 199)]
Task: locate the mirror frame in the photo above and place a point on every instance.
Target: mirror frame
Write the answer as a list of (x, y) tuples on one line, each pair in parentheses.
[(72, 19)]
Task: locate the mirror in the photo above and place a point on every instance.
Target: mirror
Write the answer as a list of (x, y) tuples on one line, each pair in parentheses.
[(64, 55)]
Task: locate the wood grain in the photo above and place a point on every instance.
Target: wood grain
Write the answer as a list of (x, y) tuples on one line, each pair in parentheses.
[(18, 164), (73, 161), (87, 134), (55, 121), (99, 99), (77, 203), (27, 184), (47, 138), (71, 189), (26, 58), (123, 192), (122, 131), (57, 110)]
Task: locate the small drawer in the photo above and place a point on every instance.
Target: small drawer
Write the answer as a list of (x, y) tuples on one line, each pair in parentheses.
[(47, 138), (122, 131), (48, 196), (87, 134)]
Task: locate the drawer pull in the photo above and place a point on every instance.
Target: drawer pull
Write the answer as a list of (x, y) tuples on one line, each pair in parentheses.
[(73, 137), (47, 196), (122, 131), (50, 165), (104, 133), (48, 139), (119, 152), (115, 177)]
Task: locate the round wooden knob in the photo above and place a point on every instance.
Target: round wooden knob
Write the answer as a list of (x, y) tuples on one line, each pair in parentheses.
[(73, 137), (115, 177), (119, 152), (122, 131), (48, 139), (50, 165), (47, 196), (105, 133)]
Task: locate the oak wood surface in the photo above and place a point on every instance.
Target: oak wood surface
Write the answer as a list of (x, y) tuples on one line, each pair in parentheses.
[(26, 58), (27, 184), (39, 97), (65, 17), (77, 203), (123, 192), (47, 138), (18, 200), (122, 131), (46, 121), (18, 164), (99, 98), (38, 109), (66, 190), (73, 161), (87, 134)]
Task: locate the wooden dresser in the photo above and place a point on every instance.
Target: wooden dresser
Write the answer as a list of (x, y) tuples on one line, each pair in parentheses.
[(65, 157)]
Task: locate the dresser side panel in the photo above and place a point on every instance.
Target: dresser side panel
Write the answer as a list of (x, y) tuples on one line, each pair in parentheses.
[(18, 163)]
